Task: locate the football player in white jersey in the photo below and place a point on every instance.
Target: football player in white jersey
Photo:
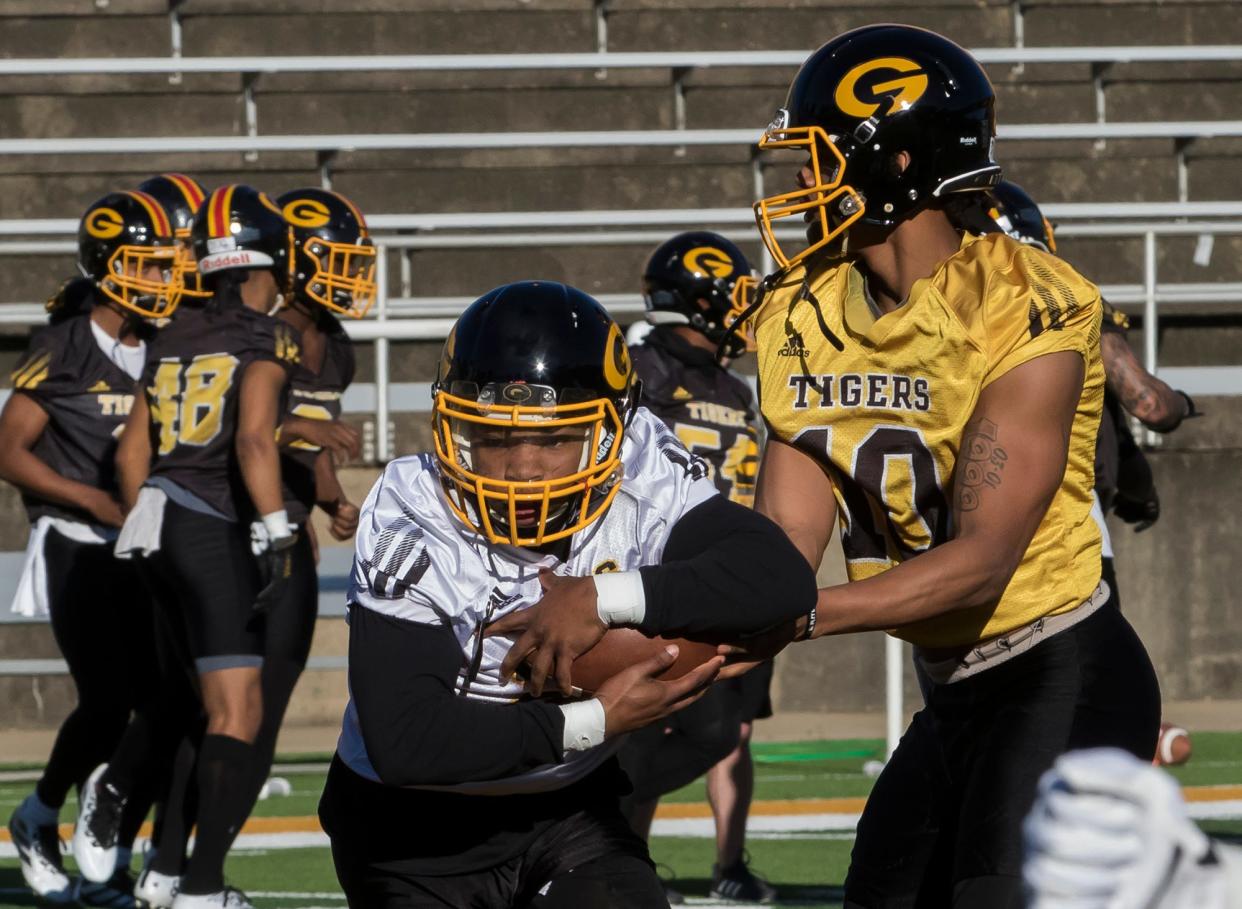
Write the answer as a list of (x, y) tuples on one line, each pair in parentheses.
[(455, 783)]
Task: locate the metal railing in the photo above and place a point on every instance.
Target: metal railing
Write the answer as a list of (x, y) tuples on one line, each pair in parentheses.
[(680, 64), (399, 316)]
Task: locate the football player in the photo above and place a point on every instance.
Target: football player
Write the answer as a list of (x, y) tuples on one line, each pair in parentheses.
[(333, 271), (197, 463), (939, 392), (1123, 478), (694, 284), (1110, 832), (548, 486), (72, 392)]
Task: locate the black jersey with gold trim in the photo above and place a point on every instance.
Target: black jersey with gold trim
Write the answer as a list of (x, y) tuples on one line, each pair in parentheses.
[(314, 396), (86, 397), (192, 384), (711, 410)]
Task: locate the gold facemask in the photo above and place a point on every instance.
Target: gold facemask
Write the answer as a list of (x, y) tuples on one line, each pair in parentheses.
[(743, 295), (342, 270), (566, 504), (827, 199), (125, 285)]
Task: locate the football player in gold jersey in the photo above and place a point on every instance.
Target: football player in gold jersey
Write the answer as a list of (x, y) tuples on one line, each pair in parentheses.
[(937, 392)]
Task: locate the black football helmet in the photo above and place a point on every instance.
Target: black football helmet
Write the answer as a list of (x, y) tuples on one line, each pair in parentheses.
[(238, 227), (125, 240), (699, 266), (855, 104), (1017, 215), (334, 257), (533, 356), (181, 197)]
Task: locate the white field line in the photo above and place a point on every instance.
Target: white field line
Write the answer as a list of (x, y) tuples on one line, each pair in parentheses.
[(791, 826)]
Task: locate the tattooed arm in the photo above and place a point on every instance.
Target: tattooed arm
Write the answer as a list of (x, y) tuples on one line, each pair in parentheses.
[(1152, 401), (1009, 467)]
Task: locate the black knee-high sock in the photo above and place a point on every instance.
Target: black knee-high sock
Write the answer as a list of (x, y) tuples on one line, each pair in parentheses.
[(225, 797), (178, 813)]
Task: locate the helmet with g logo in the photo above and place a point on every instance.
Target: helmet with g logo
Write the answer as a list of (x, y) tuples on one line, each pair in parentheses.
[(541, 360), (126, 246), (698, 266), (334, 257), (859, 101), (181, 197)]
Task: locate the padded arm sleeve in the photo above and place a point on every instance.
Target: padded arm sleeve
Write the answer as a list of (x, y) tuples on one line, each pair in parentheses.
[(727, 571), (417, 729)]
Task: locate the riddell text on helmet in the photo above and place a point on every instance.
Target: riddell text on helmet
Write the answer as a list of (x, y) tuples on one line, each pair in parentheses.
[(240, 259)]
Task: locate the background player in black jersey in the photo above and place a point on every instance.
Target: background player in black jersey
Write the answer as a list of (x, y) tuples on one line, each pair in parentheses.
[(332, 271), (58, 434), (1123, 480), (693, 285), (198, 462)]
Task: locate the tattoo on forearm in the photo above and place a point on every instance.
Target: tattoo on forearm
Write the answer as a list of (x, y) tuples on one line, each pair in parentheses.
[(983, 462), (1140, 393)]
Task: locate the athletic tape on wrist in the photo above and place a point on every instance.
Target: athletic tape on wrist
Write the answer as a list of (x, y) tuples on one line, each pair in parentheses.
[(620, 598), (584, 724)]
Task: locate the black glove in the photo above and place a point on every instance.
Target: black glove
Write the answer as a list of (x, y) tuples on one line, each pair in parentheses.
[(1142, 513), (275, 570)]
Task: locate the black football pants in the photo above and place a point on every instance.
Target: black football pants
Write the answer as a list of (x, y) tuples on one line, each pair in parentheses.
[(102, 619), (563, 849), (942, 828)]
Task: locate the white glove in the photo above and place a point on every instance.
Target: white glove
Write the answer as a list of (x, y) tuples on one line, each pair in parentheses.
[(1108, 831)]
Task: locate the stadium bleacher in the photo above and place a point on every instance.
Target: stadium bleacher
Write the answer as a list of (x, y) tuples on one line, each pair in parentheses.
[(1155, 124)]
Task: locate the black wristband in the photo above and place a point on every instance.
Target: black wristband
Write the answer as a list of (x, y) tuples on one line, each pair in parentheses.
[(809, 631), (1190, 405)]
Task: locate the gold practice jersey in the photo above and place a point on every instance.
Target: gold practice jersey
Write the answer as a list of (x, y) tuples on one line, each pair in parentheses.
[(886, 414)]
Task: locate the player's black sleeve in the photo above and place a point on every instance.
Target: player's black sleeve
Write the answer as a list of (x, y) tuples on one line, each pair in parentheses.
[(417, 729), (727, 571)]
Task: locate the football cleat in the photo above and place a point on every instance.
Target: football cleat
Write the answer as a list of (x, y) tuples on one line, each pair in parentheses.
[(38, 850), (738, 884), (115, 893), (228, 898), (95, 836), (155, 890)]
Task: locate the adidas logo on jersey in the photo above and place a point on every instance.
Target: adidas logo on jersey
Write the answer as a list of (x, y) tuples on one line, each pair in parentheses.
[(680, 394), (98, 387), (793, 348)]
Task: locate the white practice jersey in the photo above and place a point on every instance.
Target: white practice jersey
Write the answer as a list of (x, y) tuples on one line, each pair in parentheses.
[(414, 560)]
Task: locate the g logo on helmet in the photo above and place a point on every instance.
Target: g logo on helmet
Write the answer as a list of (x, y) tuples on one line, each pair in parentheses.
[(616, 360), (901, 91), (306, 213), (709, 260), (105, 223)]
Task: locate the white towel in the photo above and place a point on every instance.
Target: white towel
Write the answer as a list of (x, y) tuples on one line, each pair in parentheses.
[(30, 598), (143, 524)]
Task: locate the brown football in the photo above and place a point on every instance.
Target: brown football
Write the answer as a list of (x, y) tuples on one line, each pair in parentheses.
[(623, 647)]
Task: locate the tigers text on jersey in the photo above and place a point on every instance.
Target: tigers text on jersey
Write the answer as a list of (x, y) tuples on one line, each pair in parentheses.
[(710, 410), (415, 561), (314, 396), (887, 413), (193, 382), (87, 398)]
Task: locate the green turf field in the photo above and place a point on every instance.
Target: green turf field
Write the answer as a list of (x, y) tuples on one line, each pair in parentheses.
[(808, 867)]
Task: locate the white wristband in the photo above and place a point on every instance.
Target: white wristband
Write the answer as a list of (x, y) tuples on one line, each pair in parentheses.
[(584, 724), (620, 598), (277, 524)]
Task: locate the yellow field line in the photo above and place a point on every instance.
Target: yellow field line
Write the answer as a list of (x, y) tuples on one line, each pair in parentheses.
[(672, 811)]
